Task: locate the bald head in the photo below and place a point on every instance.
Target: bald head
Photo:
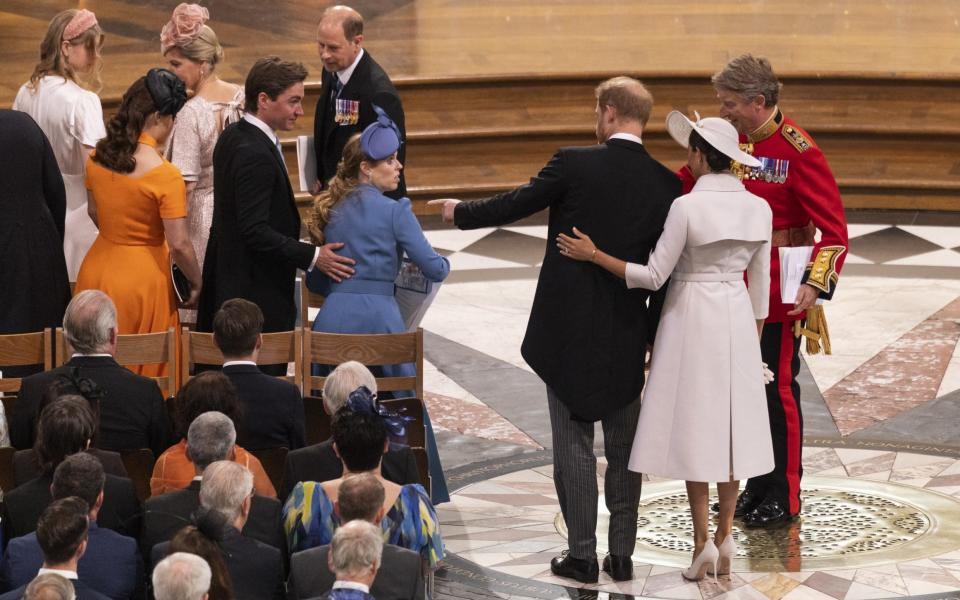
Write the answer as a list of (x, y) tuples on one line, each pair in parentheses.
[(339, 37)]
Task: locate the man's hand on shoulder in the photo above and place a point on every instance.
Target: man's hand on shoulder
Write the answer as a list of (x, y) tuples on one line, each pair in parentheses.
[(333, 265), (447, 207)]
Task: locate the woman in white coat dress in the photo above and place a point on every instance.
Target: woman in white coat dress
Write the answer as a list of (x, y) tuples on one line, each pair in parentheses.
[(704, 415)]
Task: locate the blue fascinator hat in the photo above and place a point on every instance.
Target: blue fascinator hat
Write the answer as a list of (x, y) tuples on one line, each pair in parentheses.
[(362, 400), (381, 138)]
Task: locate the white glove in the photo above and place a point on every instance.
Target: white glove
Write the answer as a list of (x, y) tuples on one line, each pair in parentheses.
[(767, 374)]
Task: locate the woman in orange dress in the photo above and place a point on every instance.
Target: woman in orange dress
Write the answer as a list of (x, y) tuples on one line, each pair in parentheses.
[(138, 201)]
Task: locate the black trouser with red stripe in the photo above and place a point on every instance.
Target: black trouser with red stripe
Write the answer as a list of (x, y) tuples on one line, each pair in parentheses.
[(781, 351)]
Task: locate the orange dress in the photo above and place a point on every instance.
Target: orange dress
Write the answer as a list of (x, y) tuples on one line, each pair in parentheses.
[(174, 471), (130, 260)]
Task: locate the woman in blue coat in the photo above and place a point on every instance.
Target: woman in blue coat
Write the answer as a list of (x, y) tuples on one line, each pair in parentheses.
[(376, 232)]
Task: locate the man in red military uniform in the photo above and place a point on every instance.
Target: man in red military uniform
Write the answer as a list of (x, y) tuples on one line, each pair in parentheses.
[(796, 180)]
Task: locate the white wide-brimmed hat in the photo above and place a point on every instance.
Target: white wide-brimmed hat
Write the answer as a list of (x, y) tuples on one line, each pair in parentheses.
[(717, 132)]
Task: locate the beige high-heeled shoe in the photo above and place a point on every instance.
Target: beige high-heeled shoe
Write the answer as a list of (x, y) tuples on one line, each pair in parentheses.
[(727, 550), (707, 558)]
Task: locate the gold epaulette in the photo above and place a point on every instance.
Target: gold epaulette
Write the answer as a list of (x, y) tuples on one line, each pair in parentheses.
[(796, 138), (823, 268), (815, 330)]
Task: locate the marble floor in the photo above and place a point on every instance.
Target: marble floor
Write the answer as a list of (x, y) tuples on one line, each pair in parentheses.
[(882, 416)]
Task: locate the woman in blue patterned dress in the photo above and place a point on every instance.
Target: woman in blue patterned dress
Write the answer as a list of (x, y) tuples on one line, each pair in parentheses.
[(409, 520)]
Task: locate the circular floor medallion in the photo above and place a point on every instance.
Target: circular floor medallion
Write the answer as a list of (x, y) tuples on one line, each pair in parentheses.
[(846, 523)]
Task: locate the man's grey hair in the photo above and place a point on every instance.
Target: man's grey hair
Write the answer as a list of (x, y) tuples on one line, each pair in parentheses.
[(224, 487), (356, 546), (88, 322), (748, 77), (50, 586), (210, 438), (181, 576), (343, 381)]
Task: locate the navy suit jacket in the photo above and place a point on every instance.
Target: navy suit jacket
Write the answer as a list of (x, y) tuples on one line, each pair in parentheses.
[(272, 410), (111, 564), (84, 592)]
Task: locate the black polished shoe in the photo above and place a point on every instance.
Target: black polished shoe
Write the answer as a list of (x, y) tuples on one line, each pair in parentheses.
[(583, 570), (746, 502), (770, 513), (619, 568)]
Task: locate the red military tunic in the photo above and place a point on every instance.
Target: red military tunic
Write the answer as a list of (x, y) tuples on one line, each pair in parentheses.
[(797, 182)]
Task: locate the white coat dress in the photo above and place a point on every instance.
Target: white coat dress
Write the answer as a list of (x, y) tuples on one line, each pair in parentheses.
[(704, 411)]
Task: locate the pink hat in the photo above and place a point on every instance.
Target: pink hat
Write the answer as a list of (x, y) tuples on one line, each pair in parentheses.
[(82, 21), (184, 26)]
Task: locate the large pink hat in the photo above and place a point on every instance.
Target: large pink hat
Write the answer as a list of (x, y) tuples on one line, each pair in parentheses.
[(82, 21), (184, 26)]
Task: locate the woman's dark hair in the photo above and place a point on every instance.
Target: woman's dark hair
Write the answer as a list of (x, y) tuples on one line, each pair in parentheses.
[(202, 539), (72, 384), (716, 160), (65, 427), (210, 390), (115, 151), (359, 437)]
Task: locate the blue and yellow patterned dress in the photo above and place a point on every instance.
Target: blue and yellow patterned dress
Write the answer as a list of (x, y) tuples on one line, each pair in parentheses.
[(309, 521)]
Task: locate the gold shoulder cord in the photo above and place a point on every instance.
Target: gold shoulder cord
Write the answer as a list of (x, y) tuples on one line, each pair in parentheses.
[(815, 330)]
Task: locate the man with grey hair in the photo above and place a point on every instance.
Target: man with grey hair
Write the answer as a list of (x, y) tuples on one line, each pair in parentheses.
[(355, 557), (226, 493), (210, 438), (50, 586), (132, 413), (319, 462), (400, 576), (181, 576), (587, 335), (796, 181)]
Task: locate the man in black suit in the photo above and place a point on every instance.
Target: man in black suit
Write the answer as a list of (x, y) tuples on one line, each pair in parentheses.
[(319, 462), (210, 438), (65, 428), (400, 576), (254, 250), (272, 408), (62, 534), (588, 333), (226, 494), (352, 84), (132, 413)]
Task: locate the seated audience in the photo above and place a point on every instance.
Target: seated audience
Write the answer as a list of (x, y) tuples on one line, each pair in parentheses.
[(181, 576), (26, 463), (111, 564), (319, 462), (360, 438), (272, 408), (399, 578), (65, 428), (355, 557), (255, 568), (131, 410), (50, 586), (208, 391), (62, 535), (210, 438)]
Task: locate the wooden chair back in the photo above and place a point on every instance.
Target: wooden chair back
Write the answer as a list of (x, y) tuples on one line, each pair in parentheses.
[(308, 300), (413, 408), (136, 349), (423, 468), (273, 460), (8, 480), (316, 420), (279, 347), (20, 349), (370, 350), (139, 465)]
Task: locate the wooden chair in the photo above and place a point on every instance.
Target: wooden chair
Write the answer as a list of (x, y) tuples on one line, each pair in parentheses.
[(423, 468), (137, 349), (410, 407), (316, 420), (7, 479), (139, 465), (273, 460), (21, 349), (279, 347), (308, 300), (370, 350)]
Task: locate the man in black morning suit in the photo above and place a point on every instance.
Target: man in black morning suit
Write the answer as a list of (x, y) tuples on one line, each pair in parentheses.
[(254, 249), (588, 333), (350, 75)]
